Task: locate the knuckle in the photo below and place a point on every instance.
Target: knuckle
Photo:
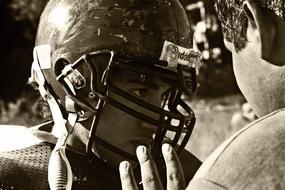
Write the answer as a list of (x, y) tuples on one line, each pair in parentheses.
[(175, 177), (149, 179)]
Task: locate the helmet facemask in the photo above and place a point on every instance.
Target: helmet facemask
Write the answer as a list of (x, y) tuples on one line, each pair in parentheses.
[(89, 86)]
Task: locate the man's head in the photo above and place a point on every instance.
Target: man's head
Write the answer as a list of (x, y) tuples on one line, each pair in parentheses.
[(254, 31), (121, 67)]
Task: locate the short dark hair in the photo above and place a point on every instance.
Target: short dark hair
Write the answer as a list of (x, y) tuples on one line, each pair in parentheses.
[(234, 21)]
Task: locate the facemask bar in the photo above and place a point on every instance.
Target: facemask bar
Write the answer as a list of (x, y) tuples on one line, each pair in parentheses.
[(186, 123)]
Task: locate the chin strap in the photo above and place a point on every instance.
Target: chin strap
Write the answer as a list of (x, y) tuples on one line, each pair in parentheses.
[(59, 169)]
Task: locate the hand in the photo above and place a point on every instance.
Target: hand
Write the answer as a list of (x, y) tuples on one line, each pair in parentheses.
[(149, 173)]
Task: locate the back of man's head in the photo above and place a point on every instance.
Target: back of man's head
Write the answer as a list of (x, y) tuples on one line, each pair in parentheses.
[(254, 32), (234, 20)]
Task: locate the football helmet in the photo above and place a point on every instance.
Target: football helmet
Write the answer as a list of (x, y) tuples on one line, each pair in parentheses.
[(81, 44)]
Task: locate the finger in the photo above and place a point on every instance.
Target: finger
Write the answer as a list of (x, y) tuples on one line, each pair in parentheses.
[(127, 177), (149, 173), (174, 172)]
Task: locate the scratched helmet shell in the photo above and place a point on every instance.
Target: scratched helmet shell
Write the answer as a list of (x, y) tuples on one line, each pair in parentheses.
[(129, 29), (137, 28)]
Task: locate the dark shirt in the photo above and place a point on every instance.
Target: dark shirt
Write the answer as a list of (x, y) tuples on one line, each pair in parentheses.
[(27, 169)]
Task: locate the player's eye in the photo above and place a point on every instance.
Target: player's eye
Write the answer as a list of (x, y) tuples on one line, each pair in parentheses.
[(140, 92)]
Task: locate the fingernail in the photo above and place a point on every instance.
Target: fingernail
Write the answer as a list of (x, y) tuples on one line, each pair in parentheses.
[(124, 166), (166, 148), (141, 149), (141, 152)]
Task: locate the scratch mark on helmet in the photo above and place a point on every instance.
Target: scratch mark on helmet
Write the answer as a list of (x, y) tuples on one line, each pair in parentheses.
[(122, 37)]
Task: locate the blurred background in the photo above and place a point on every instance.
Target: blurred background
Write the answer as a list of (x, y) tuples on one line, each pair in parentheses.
[(219, 106)]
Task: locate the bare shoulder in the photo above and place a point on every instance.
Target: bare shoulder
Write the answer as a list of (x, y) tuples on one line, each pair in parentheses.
[(15, 137)]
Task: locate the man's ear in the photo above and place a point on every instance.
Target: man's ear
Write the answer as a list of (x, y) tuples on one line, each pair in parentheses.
[(267, 29)]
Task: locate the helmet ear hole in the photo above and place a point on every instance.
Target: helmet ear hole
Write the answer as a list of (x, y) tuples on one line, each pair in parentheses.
[(59, 65)]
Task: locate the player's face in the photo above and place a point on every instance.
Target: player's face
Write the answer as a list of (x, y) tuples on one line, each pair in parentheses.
[(123, 130)]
